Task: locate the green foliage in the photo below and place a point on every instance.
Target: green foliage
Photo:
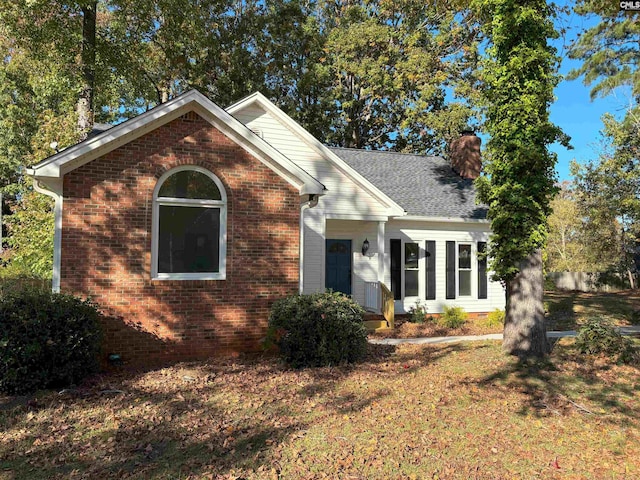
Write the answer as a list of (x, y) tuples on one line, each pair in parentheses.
[(571, 238), (390, 66), (364, 73), (453, 317), (608, 51), (317, 330), (609, 188), (519, 74), (30, 229), (46, 340), (418, 313), (495, 318), (609, 193), (599, 337)]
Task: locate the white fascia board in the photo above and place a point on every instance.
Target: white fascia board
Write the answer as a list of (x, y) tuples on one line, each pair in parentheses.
[(355, 216), (418, 218), (319, 147), (77, 155), (73, 157)]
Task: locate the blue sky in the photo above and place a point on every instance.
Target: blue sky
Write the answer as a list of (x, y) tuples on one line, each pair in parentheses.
[(573, 111)]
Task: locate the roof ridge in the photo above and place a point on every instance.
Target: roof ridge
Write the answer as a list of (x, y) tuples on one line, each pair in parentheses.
[(390, 152)]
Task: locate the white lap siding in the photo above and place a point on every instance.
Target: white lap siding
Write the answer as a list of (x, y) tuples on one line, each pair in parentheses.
[(343, 196), (465, 233)]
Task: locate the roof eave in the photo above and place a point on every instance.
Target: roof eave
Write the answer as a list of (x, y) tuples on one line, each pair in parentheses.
[(424, 218), (67, 160), (394, 208)]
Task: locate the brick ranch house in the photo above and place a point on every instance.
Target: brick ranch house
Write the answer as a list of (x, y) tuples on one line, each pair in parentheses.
[(187, 222)]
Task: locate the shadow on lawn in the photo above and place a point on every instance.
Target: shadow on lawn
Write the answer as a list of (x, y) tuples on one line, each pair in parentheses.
[(382, 362), (142, 432), (569, 383), (567, 310)]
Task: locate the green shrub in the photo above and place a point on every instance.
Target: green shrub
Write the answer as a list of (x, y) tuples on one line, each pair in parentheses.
[(453, 317), (417, 313), (317, 330), (14, 282), (599, 336), (46, 340), (495, 318)]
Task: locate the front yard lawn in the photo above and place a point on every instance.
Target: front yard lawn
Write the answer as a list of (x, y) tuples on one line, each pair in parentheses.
[(455, 411)]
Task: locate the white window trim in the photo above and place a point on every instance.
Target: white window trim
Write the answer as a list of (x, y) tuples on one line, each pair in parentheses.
[(221, 274), (420, 270), (472, 257)]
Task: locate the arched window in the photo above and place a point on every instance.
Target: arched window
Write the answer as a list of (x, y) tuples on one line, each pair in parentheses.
[(189, 226)]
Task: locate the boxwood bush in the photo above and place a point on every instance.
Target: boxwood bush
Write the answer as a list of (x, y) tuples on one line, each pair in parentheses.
[(47, 340), (318, 330)]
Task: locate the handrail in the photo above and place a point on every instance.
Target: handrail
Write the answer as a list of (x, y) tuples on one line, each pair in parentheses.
[(387, 305)]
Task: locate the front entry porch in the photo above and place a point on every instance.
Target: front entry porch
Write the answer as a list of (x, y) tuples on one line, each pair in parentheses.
[(354, 262)]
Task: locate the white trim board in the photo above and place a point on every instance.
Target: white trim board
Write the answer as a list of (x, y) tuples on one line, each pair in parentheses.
[(264, 103), (73, 157)]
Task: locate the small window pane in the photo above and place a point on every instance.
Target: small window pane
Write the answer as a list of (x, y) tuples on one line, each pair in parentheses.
[(189, 239), (464, 256), (465, 283), (339, 247), (411, 283), (410, 255), (190, 184)]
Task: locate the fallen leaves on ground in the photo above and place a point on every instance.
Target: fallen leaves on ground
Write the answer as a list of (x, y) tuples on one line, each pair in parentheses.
[(454, 411)]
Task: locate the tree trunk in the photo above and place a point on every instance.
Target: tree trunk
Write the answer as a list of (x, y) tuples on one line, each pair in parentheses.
[(85, 100), (524, 330), (632, 282)]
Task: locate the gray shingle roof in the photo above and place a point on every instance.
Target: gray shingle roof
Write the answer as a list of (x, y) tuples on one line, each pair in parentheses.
[(422, 185)]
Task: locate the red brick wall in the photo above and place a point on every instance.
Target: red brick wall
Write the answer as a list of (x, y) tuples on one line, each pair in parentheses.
[(106, 247)]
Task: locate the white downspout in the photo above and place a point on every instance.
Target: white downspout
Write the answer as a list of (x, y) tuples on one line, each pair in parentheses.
[(57, 236), (312, 202)]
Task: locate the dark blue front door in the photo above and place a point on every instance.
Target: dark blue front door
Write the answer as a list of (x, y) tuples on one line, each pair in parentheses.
[(338, 266)]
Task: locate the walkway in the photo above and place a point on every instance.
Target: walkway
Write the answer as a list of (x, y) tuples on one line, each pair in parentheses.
[(630, 330)]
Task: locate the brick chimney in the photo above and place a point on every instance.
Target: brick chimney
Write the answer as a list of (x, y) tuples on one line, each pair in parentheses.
[(464, 153)]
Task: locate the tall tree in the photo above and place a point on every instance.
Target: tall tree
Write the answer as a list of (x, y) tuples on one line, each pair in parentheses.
[(88, 66), (608, 51), (392, 66), (519, 74), (610, 187), (609, 193), (574, 229)]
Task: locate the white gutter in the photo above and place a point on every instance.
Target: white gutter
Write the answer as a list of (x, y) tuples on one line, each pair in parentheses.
[(56, 194), (312, 202)]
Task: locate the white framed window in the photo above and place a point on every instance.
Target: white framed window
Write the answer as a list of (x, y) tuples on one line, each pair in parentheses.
[(411, 270), (464, 269), (189, 226)]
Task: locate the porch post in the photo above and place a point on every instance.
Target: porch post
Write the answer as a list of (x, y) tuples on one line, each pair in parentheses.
[(381, 255)]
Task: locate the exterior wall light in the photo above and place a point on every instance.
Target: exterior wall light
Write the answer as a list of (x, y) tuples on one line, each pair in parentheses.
[(365, 246)]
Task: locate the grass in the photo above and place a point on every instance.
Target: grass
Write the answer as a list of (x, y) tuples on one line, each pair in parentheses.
[(455, 411), (569, 310)]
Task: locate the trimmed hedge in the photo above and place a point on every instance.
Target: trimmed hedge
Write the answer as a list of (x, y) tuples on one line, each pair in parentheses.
[(47, 340), (318, 330)]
